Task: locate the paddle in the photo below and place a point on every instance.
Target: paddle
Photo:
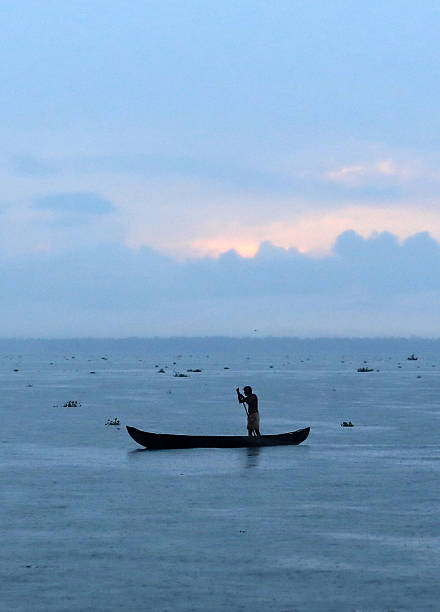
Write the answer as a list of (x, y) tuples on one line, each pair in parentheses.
[(239, 395)]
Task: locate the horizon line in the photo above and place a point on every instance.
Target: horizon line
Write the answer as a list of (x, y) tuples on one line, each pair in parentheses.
[(215, 337)]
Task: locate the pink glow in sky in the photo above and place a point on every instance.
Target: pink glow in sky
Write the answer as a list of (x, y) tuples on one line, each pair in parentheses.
[(316, 234)]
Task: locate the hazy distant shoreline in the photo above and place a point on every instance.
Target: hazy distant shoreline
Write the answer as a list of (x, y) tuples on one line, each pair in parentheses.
[(182, 344), (223, 338)]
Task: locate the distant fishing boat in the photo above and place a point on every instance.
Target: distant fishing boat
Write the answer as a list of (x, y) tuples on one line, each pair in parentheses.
[(412, 358), (156, 441)]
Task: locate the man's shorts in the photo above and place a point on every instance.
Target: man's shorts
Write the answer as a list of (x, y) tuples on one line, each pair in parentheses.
[(253, 421)]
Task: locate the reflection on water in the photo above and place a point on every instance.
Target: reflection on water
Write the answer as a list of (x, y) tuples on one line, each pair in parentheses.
[(135, 452), (252, 456)]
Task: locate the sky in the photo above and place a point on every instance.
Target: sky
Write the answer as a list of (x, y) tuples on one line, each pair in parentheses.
[(219, 168)]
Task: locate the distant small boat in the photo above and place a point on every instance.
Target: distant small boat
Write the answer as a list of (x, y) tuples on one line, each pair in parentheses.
[(365, 370), (412, 358), (162, 441)]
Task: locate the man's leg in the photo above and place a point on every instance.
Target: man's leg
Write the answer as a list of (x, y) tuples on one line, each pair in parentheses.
[(249, 432), (257, 432)]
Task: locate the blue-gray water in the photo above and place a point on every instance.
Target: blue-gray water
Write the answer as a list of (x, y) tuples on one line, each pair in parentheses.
[(346, 521)]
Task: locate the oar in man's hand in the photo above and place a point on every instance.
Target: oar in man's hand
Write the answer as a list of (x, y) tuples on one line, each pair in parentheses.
[(241, 397)]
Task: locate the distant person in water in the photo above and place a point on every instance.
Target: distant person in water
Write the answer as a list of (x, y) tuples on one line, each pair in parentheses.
[(253, 421)]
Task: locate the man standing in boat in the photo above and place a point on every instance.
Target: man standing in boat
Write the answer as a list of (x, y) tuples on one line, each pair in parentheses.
[(253, 416)]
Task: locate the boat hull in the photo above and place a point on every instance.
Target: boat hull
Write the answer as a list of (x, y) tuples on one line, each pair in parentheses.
[(162, 441)]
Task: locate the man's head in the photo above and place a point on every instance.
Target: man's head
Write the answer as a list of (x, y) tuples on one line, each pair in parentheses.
[(247, 390)]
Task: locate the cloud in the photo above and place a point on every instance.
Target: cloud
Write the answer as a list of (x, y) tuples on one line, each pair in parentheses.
[(376, 171), (81, 203), (232, 174), (57, 223), (191, 206), (197, 218), (347, 174), (30, 166), (367, 286), (315, 232)]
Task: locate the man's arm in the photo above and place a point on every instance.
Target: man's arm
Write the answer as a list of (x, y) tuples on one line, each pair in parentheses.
[(241, 398)]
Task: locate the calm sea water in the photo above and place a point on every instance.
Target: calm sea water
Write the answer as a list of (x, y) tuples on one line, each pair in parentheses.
[(346, 521)]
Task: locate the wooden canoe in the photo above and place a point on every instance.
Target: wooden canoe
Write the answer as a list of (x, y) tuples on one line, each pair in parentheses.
[(159, 441)]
